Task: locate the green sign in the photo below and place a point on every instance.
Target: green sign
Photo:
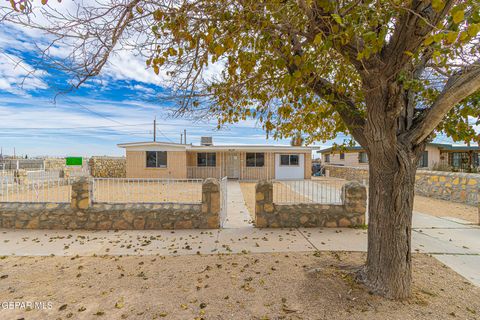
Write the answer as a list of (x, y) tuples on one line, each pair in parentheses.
[(74, 161)]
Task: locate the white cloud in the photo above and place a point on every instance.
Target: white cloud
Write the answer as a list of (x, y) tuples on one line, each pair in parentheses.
[(18, 77)]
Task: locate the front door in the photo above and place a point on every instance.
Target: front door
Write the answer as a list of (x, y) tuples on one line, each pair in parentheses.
[(233, 165)]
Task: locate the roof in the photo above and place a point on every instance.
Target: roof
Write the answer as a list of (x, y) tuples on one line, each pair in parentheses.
[(229, 147), (443, 146)]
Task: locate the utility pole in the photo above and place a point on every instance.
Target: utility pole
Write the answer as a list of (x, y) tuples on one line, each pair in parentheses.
[(181, 138), (185, 135), (155, 129)]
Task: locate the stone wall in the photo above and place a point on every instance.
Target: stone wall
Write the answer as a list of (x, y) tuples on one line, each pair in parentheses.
[(108, 167), (350, 213), (81, 213), (451, 186), (54, 164), (348, 173)]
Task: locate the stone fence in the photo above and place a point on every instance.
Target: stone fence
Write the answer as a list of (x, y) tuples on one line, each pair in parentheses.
[(108, 167), (450, 186), (81, 213), (350, 213)]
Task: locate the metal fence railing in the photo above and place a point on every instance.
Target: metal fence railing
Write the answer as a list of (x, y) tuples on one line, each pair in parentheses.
[(137, 190), (204, 172), (42, 190), (36, 175), (307, 191)]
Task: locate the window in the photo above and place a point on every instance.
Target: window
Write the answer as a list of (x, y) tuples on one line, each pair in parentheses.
[(255, 159), (156, 159), (423, 161), (289, 159), (327, 157), (206, 159), (362, 157), (342, 155)]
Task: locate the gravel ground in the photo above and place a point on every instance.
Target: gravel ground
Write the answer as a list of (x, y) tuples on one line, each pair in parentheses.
[(244, 286)]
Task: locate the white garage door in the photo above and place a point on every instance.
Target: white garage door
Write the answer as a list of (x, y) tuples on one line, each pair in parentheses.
[(289, 166)]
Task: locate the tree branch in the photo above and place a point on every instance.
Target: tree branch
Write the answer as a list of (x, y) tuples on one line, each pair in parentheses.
[(345, 107), (411, 29), (461, 85)]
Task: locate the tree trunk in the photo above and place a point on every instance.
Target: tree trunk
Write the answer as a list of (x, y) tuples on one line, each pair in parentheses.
[(390, 204)]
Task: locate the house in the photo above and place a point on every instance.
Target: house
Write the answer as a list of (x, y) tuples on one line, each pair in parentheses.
[(436, 156), (243, 162)]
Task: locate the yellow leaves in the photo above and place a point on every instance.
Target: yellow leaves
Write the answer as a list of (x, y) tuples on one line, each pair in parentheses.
[(451, 37), (318, 39), (139, 9), (44, 2), (157, 15), (156, 69), (120, 303), (219, 50), (337, 18), (473, 29), (458, 16), (438, 5)]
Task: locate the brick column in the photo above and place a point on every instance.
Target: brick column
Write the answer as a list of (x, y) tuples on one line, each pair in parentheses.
[(211, 202), (263, 202), (81, 194), (354, 199)]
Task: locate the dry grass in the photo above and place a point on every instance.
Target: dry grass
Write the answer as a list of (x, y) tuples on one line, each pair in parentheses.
[(243, 286)]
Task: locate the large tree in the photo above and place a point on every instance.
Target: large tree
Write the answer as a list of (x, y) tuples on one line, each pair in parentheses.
[(390, 73)]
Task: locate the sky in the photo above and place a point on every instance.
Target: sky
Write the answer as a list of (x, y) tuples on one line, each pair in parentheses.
[(116, 107)]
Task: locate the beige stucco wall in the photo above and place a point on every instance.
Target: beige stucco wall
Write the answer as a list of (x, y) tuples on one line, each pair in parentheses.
[(176, 166), (433, 156), (351, 159)]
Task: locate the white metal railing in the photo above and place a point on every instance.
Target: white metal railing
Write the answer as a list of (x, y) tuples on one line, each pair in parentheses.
[(223, 200), (80, 171), (307, 191), (49, 190), (138, 190), (255, 173), (37, 175), (204, 172)]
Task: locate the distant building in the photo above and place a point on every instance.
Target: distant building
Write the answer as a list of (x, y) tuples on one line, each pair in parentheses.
[(437, 156)]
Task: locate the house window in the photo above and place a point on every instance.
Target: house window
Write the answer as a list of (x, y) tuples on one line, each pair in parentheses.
[(156, 159), (423, 161), (255, 159), (327, 157), (206, 159), (342, 155), (362, 157), (289, 159)]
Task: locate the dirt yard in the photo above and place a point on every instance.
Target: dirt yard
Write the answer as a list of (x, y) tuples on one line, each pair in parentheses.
[(244, 286), (442, 208)]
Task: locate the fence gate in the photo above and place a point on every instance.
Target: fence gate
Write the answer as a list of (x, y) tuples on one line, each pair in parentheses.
[(223, 201)]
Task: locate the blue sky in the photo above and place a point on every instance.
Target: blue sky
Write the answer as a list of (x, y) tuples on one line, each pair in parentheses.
[(116, 107)]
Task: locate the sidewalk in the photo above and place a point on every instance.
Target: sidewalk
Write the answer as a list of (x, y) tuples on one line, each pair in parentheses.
[(455, 244)]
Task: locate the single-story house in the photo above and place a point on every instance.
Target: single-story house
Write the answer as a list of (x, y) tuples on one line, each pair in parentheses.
[(244, 162), (436, 155)]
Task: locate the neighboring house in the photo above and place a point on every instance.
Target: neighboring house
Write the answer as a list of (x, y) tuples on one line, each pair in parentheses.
[(436, 156), (244, 162)]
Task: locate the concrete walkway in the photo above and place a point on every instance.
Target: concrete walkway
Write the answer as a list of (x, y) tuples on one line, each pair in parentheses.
[(453, 243), (237, 212)]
